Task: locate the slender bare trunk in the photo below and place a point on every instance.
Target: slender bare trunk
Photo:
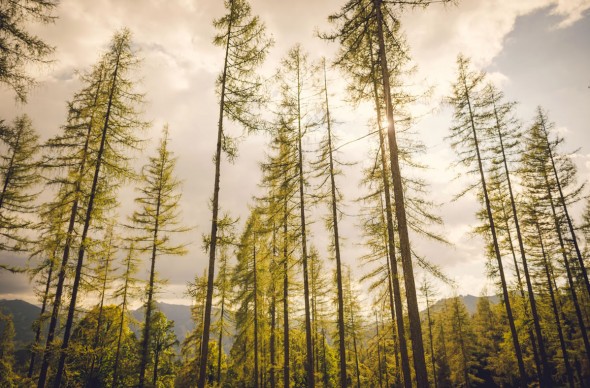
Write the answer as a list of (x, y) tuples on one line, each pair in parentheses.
[(309, 365), (400, 212), (122, 321), (565, 211), (61, 276), (568, 368), (432, 358), (334, 206), (87, 221), (215, 205), (505, 294), (43, 308), (286, 372), (256, 378), (545, 379), (568, 270)]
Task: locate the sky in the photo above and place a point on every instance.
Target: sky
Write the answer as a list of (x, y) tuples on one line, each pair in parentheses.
[(538, 51)]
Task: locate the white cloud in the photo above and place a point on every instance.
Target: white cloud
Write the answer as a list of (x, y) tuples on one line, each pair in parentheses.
[(477, 29), (570, 10), (179, 71)]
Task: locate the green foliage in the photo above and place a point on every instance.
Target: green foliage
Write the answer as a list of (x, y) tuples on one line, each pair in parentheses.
[(162, 351), (19, 173), (93, 365), (20, 47), (155, 222), (243, 36), (8, 378)]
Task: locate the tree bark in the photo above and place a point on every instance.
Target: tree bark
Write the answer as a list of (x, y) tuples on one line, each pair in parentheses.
[(545, 379), (215, 204), (505, 294), (400, 211), (334, 208), (87, 220)]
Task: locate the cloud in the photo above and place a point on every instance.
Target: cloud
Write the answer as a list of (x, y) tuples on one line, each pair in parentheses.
[(570, 10), (477, 29), (178, 75)]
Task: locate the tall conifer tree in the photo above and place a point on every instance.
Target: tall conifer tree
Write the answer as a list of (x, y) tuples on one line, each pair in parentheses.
[(243, 37), (156, 221)]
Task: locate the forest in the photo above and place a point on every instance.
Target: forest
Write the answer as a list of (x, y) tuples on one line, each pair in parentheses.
[(287, 296)]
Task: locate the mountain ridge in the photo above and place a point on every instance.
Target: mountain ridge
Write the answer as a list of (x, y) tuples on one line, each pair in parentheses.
[(24, 314)]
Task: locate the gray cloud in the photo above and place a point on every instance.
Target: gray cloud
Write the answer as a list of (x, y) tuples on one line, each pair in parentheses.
[(518, 41)]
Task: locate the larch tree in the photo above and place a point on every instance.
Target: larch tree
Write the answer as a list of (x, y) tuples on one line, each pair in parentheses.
[(296, 82), (540, 174), (357, 21), (537, 239), (156, 220), (354, 327), (49, 243), (467, 135), (247, 298), (18, 47), (104, 276), (226, 242), (125, 292), (327, 168), (280, 178), (488, 334), (427, 290), (243, 37), (545, 126), (191, 346), (504, 135), (112, 120), (94, 112), (19, 173), (162, 350)]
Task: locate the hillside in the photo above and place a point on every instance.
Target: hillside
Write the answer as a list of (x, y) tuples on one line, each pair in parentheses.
[(469, 301), (24, 314)]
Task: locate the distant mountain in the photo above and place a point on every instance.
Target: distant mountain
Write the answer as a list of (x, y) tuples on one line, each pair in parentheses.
[(469, 301), (180, 314), (23, 316)]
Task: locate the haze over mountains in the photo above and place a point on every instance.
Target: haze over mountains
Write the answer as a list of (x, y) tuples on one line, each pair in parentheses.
[(24, 314)]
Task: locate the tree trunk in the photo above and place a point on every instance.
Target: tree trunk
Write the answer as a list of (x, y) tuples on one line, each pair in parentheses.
[(87, 220), (150, 304), (395, 294), (273, 317), (505, 294), (565, 211), (122, 322), (400, 211), (43, 308), (61, 276), (10, 169), (286, 373), (309, 365), (432, 358), (546, 371), (256, 378), (572, 285), (334, 206), (568, 368), (215, 205)]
